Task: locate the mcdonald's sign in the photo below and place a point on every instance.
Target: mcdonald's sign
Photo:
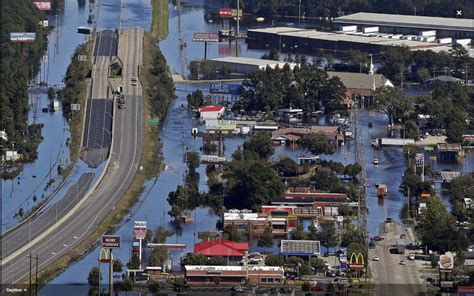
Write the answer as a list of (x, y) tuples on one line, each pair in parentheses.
[(105, 255), (356, 261)]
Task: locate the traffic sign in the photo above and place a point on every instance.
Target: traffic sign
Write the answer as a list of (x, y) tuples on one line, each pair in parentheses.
[(111, 241), (153, 121)]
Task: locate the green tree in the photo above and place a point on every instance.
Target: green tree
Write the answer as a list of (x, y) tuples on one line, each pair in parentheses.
[(94, 277), (438, 230), (125, 285), (312, 232), (306, 286), (193, 160), (423, 74), (179, 284), (327, 235), (266, 239), (287, 166), (318, 264), (299, 233), (195, 99), (260, 143), (134, 263), (274, 260), (148, 236), (161, 234), (327, 181), (118, 265), (158, 257), (393, 102), (352, 234), (352, 170), (318, 144), (395, 61), (231, 233), (217, 260), (411, 130)]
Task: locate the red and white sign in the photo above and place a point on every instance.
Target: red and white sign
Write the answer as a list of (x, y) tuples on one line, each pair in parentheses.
[(43, 5), (229, 12), (139, 225), (205, 37), (446, 261), (140, 233)]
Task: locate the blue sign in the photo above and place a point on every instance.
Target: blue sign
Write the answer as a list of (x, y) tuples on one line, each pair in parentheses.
[(224, 88)]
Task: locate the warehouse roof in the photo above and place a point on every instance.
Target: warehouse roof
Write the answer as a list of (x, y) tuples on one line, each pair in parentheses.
[(361, 80), (422, 22), (253, 62)]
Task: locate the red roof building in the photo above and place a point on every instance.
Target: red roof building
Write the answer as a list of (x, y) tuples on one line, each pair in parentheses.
[(221, 247), (212, 108)]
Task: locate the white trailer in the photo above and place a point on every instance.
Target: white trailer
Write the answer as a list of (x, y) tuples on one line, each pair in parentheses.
[(370, 30), (391, 142), (349, 28)]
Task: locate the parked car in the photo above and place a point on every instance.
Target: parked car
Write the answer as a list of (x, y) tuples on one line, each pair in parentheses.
[(411, 256), (403, 262), (376, 258), (317, 289), (238, 289), (377, 238)]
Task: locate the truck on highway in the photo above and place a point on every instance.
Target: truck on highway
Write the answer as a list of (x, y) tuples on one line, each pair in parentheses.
[(121, 102), (382, 190), (380, 142)]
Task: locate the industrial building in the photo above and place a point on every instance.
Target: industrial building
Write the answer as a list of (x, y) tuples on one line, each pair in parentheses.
[(256, 223), (309, 41), (248, 65), (411, 24)]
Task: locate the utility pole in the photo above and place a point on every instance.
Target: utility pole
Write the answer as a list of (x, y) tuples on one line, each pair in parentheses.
[(30, 276), (36, 275)]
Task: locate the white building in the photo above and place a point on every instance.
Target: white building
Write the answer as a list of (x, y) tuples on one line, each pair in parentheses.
[(249, 65), (213, 112), (3, 135), (11, 155)]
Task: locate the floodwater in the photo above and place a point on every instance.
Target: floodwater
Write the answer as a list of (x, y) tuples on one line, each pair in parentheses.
[(176, 138), (19, 193)]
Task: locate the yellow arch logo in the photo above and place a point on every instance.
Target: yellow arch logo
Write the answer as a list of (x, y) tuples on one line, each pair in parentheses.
[(359, 259), (106, 258)]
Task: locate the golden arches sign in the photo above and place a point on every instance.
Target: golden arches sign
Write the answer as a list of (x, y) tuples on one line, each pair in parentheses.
[(359, 261), (107, 255)]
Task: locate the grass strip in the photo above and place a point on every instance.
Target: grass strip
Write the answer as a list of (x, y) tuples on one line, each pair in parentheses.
[(159, 20)]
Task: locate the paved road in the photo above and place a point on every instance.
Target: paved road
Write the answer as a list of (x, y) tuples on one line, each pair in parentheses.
[(125, 156), (388, 274)]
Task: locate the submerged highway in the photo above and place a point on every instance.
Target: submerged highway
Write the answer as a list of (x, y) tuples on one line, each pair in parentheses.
[(59, 238)]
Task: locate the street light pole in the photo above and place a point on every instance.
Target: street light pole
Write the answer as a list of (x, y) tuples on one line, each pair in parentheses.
[(299, 12)]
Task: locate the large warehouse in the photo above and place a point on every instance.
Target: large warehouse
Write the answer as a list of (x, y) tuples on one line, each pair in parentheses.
[(411, 24), (308, 41)]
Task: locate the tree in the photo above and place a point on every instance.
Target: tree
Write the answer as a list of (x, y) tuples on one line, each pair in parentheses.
[(179, 284), (195, 100), (158, 257), (118, 265), (274, 260), (306, 286), (327, 181), (193, 160), (352, 170), (231, 233), (393, 102), (327, 236), (134, 262), (287, 166), (260, 143), (438, 230), (125, 285), (411, 130), (299, 233), (312, 232), (94, 277), (148, 236), (318, 144), (352, 234), (272, 55), (266, 239), (318, 264), (394, 61), (250, 184), (154, 286), (161, 234), (345, 210), (423, 74)]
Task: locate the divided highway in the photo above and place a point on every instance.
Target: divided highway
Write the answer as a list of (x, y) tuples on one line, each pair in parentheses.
[(125, 154)]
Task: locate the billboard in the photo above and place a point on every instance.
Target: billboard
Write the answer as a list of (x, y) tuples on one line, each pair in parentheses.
[(446, 261), (229, 12), (43, 5), (205, 37), (300, 247), (22, 37), (221, 125), (110, 241), (139, 225), (224, 88), (140, 233)]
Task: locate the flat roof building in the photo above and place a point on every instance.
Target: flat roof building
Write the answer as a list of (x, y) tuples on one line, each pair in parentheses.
[(411, 24), (249, 65), (256, 222)]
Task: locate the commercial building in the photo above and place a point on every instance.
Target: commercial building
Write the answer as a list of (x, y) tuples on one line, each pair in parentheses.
[(213, 112), (361, 84), (256, 223), (411, 24), (309, 41), (231, 275), (249, 65), (221, 247), (294, 134)]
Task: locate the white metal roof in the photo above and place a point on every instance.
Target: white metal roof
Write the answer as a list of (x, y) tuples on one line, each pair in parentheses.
[(422, 22), (253, 62)]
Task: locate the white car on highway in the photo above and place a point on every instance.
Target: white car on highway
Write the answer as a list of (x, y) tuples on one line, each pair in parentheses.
[(376, 258)]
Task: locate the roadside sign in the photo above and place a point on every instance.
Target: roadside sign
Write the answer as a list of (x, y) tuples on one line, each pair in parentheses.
[(75, 107), (43, 5), (229, 12), (140, 233), (22, 37), (433, 158), (139, 225), (224, 88), (153, 121), (429, 148), (111, 241), (205, 37), (419, 158)]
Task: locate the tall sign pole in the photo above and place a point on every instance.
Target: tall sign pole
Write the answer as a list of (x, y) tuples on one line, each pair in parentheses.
[(111, 274), (109, 242)]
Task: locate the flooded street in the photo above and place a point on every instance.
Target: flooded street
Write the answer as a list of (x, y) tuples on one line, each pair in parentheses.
[(176, 136), (31, 184)]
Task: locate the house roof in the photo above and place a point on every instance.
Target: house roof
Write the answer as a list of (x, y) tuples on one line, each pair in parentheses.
[(220, 247), (361, 80), (212, 108)]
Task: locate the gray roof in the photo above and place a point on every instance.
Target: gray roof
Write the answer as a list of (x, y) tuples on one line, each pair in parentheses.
[(422, 22), (446, 79), (360, 80)]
